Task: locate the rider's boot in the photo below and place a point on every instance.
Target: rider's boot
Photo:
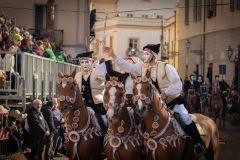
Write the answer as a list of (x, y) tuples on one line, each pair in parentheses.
[(199, 147)]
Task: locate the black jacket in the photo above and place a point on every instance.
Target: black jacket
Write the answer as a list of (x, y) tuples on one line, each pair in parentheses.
[(48, 116), (114, 73), (188, 85), (37, 124)]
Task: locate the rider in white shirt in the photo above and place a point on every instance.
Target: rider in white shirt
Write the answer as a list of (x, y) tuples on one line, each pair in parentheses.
[(166, 79)]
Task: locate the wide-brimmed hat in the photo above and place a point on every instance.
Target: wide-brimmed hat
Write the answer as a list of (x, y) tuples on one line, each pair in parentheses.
[(18, 115), (3, 110)]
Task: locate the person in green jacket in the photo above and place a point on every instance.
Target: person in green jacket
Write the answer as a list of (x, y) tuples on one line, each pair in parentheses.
[(48, 52)]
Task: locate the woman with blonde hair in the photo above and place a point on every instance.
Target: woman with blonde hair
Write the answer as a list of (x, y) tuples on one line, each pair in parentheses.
[(48, 52)]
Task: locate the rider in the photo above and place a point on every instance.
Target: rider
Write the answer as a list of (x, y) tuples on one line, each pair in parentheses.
[(198, 83), (190, 83), (91, 87), (166, 79), (220, 88)]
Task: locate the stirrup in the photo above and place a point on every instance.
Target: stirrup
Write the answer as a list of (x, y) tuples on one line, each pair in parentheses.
[(201, 151)]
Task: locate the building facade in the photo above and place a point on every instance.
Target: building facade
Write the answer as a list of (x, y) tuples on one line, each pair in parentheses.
[(72, 18), (209, 26), (127, 26)]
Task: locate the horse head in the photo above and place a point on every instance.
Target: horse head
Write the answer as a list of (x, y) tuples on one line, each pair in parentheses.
[(68, 92), (114, 97), (143, 91)]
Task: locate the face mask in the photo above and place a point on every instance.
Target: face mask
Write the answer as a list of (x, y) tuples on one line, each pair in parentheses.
[(192, 77), (199, 78), (147, 57), (86, 65), (217, 78)]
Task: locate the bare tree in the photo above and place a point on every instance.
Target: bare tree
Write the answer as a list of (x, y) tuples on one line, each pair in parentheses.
[(50, 16)]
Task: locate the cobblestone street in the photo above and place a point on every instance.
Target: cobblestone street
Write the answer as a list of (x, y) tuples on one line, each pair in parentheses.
[(230, 145)]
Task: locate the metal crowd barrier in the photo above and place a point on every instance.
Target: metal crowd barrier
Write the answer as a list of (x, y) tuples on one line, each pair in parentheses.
[(25, 86)]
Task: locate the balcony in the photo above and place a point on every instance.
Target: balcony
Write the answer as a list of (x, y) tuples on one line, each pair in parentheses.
[(56, 37)]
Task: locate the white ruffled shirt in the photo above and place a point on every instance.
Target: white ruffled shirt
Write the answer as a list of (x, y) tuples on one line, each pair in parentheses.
[(136, 69)]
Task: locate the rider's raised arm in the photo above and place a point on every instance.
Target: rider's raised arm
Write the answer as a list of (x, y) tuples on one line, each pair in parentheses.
[(100, 70), (176, 84), (135, 69)]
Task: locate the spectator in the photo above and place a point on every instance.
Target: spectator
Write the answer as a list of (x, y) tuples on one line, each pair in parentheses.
[(38, 129), (48, 52), (60, 54), (38, 48), (16, 34), (56, 118), (26, 46), (48, 141), (8, 64)]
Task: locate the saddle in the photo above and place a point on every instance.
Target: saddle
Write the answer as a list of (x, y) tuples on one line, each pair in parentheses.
[(99, 120), (182, 128)]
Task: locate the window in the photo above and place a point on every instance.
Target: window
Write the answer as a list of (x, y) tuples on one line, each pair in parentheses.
[(130, 15), (234, 4), (187, 12), (133, 43), (197, 10), (222, 69), (159, 16), (144, 16), (211, 8)]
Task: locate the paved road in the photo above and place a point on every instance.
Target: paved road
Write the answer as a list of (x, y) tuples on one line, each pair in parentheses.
[(230, 141), (231, 136)]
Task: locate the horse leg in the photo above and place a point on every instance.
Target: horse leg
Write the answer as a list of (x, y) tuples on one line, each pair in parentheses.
[(220, 119)]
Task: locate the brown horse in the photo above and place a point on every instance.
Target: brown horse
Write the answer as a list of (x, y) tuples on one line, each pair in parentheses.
[(217, 106), (193, 101), (83, 136), (122, 141), (162, 136)]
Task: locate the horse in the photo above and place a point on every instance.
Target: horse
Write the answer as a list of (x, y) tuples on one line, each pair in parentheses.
[(162, 137), (203, 94), (83, 136), (122, 140), (193, 101), (217, 106)]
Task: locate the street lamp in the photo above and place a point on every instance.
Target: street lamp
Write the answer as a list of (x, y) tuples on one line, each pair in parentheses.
[(188, 44), (236, 59), (229, 53)]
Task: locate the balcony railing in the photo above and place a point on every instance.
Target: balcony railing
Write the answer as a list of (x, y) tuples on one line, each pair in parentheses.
[(56, 36)]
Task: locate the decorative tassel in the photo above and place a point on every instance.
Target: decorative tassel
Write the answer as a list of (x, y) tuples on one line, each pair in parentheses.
[(85, 138), (153, 154), (126, 147)]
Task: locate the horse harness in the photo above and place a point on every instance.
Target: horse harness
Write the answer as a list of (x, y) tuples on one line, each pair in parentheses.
[(152, 139), (115, 140), (72, 134)]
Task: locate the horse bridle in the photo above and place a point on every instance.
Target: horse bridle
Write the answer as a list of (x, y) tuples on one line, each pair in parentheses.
[(117, 107), (143, 97), (64, 82)]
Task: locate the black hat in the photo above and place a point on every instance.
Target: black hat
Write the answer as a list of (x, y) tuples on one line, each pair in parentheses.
[(153, 47), (217, 76), (85, 54), (191, 75)]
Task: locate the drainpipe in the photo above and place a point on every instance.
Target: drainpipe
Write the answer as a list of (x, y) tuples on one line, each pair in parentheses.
[(174, 47), (204, 39)]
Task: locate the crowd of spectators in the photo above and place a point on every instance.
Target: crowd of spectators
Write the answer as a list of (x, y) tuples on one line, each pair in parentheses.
[(40, 130), (25, 42)]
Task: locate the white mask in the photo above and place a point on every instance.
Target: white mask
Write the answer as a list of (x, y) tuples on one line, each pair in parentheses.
[(192, 77), (86, 65), (217, 78), (147, 56), (199, 78)]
